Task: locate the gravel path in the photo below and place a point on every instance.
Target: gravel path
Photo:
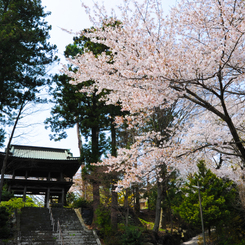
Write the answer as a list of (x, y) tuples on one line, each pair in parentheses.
[(193, 241)]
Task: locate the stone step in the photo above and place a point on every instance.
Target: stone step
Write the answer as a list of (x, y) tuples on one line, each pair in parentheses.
[(78, 242), (36, 228), (38, 243), (78, 237)]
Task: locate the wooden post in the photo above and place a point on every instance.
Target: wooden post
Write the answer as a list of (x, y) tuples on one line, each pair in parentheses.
[(61, 176), (45, 200), (24, 194), (63, 197), (48, 196)]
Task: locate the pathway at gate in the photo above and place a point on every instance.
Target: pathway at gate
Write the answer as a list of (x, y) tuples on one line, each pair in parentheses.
[(35, 228), (193, 241)]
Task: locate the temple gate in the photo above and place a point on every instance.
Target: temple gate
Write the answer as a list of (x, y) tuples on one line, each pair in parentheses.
[(40, 171)]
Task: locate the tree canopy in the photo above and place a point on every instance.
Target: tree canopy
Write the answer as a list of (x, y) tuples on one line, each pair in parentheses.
[(192, 54), (25, 53), (218, 198)]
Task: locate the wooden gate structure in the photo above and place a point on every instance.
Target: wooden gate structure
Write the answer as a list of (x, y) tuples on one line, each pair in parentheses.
[(40, 171)]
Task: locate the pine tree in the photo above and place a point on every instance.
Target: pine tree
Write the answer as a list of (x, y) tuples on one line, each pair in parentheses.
[(218, 196), (88, 110), (24, 54)]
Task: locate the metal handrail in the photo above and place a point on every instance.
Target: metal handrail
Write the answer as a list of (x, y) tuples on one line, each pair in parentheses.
[(58, 226), (51, 217), (60, 233)]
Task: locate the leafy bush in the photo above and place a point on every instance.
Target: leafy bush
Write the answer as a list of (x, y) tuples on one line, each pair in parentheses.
[(17, 203), (103, 220), (218, 198), (223, 237), (71, 199), (6, 195), (4, 228), (132, 236), (81, 203), (4, 216)]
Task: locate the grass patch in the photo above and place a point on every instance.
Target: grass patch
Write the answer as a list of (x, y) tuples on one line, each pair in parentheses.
[(150, 225)]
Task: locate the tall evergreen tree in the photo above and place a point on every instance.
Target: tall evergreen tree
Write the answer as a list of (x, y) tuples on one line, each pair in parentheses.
[(24, 53), (88, 110), (218, 197)]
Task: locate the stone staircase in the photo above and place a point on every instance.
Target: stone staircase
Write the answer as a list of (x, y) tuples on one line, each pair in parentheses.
[(73, 232), (35, 228)]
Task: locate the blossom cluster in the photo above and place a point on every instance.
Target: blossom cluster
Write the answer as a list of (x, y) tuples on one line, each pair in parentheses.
[(195, 54)]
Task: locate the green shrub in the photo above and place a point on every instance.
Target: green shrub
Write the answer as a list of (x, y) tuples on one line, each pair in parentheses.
[(6, 195), (71, 199), (103, 221), (132, 236), (81, 203), (5, 231), (4, 216), (17, 203)]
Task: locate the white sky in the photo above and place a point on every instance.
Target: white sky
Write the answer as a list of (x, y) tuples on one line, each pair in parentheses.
[(67, 15)]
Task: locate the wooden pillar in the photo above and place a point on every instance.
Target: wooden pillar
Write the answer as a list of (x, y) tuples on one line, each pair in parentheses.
[(48, 196), (63, 197), (61, 176), (24, 194), (26, 175), (13, 175), (49, 176), (45, 200)]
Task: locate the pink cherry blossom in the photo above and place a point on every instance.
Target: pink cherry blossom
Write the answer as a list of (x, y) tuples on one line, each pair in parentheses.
[(196, 55)]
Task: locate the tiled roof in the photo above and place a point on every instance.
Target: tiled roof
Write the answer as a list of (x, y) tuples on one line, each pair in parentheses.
[(40, 152)]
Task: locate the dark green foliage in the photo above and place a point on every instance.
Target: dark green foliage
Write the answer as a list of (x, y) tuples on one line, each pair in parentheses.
[(2, 137), (4, 216), (151, 195), (71, 198), (88, 111), (127, 235), (132, 236), (6, 195), (4, 227), (24, 53), (218, 198), (103, 221), (24, 49), (81, 203), (226, 236), (82, 44)]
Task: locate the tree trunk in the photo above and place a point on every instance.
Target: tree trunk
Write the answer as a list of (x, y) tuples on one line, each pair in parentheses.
[(163, 221), (127, 207), (79, 139), (113, 139), (171, 221), (95, 158), (137, 200), (158, 206), (96, 196), (114, 195), (5, 160), (114, 207)]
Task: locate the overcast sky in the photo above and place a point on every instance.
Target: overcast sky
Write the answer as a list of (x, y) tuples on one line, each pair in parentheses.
[(67, 15)]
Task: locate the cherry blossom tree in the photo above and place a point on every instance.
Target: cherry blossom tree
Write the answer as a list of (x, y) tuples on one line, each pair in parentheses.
[(196, 54)]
